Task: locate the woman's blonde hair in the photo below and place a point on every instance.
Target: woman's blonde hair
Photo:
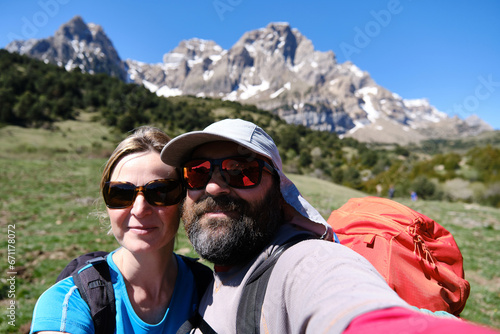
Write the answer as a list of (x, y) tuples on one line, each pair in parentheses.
[(143, 139)]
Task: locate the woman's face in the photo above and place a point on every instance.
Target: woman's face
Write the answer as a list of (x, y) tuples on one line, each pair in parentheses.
[(143, 227)]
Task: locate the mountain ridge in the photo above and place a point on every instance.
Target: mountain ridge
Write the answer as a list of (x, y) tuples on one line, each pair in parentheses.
[(275, 68)]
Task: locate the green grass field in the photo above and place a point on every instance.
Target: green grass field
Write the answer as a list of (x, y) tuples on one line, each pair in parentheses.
[(51, 212)]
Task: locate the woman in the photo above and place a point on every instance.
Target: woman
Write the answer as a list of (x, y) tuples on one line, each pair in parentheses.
[(153, 287)]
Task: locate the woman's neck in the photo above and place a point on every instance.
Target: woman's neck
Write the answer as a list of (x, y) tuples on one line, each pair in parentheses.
[(150, 281)]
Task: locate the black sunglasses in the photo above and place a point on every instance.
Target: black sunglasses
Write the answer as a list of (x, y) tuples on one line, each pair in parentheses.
[(163, 192), (237, 172)]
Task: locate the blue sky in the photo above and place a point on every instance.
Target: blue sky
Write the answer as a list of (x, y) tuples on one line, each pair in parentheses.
[(447, 51)]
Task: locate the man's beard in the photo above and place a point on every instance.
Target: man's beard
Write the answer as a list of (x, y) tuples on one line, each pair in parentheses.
[(232, 241)]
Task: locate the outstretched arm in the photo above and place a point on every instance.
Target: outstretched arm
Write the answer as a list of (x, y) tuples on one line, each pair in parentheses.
[(401, 320)]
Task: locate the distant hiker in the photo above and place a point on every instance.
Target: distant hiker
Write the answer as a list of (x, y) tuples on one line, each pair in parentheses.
[(241, 212), (154, 289), (414, 196), (391, 191)]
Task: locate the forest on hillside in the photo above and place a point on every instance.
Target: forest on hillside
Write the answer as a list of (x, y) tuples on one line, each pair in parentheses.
[(35, 94)]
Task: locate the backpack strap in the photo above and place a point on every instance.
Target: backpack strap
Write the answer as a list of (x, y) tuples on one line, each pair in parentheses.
[(78, 263), (254, 291), (96, 289), (203, 276), (196, 322)]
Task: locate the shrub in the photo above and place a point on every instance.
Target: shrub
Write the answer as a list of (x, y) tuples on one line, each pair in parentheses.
[(458, 190), (423, 187)]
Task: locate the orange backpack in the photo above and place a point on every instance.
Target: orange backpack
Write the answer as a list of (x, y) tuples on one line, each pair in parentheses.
[(418, 258)]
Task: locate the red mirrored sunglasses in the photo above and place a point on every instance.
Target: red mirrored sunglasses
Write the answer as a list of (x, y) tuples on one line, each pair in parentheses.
[(237, 172)]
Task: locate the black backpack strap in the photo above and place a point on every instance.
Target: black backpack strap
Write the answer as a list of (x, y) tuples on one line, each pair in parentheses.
[(196, 322), (203, 276), (96, 289), (78, 263), (254, 291)]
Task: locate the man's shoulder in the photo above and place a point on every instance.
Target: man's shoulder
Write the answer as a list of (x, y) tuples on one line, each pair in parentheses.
[(308, 248), (314, 256), (313, 273), (318, 249)]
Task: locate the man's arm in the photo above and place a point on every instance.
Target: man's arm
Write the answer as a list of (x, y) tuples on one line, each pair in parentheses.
[(401, 320)]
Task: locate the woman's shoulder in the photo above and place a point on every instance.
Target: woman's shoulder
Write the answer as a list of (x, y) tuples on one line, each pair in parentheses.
[(62, 304), (60, 288), (63, 291)]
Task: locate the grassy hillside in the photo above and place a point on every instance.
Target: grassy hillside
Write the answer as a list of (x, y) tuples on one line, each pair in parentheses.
[(50, 200)]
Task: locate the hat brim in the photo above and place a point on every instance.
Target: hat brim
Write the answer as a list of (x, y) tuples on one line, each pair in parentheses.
[(178, 150)]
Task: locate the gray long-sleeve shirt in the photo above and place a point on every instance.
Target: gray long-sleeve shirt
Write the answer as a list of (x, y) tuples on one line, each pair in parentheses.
[(316, 287)]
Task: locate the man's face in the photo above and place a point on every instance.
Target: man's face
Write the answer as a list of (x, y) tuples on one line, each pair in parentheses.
[(226, 225)]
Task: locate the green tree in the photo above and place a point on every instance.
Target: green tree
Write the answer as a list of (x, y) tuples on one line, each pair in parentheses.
[(486, 161), (369, 158), (305, 158), (7, 102), (352, 178), (23, 108)]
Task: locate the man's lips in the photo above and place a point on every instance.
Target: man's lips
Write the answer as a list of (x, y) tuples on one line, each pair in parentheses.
[(218, 207), (219, 213)]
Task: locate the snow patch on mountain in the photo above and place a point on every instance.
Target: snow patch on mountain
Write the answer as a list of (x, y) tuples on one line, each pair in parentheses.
[(166, 91), (285, 87)]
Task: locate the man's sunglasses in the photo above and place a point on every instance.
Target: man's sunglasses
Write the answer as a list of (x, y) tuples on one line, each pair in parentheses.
[(237, 172), (164, 192)]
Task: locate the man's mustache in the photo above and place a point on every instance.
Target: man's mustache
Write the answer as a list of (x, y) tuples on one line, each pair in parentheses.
[(218, 203)]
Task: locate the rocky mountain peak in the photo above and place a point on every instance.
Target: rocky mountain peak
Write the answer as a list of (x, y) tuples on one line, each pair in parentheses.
[(75, 29), (192, 50), (275, 38), (76, 45)]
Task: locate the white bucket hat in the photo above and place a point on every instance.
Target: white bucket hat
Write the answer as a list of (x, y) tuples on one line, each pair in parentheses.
[(254, 138)]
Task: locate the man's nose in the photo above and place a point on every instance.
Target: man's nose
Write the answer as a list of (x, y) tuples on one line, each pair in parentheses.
[(217, 184)]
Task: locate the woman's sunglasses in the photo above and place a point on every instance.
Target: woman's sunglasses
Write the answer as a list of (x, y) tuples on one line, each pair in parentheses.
[(237, 172), (164, 192)]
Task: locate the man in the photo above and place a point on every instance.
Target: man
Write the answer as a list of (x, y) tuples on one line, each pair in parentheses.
[(240, 207)]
